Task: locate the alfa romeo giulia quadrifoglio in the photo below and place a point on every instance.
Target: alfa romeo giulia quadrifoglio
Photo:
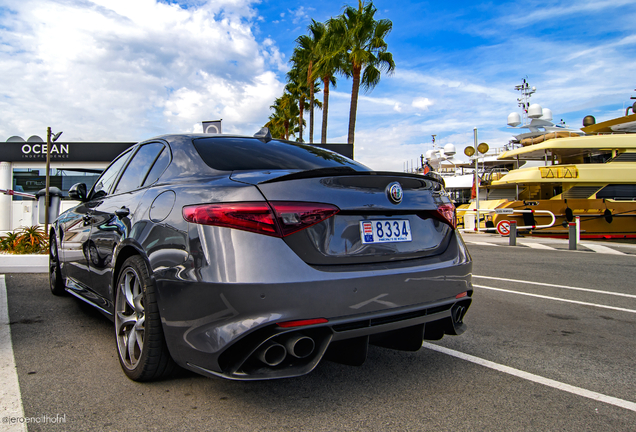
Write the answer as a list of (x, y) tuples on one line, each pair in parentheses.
[(254, 258)]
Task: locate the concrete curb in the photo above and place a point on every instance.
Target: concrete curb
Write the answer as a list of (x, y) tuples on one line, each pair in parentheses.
[(24, 263)]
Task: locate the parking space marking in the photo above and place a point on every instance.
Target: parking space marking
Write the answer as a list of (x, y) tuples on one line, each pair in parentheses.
[(10, 398), (482, 243), (534, 378), (602, 249), (558, 286), (588, 247), (557, 299), (537, 246)]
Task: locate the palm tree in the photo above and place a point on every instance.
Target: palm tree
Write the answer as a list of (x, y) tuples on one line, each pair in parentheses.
[(284, 121), (308, 51), (275, 126), (331, 61), (364, 47), (297, 87)]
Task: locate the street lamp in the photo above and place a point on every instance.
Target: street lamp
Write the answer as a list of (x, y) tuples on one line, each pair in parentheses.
[(49, 139), (470, 151)]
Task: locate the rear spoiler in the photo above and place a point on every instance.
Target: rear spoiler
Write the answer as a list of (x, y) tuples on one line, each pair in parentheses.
[(345, 171)]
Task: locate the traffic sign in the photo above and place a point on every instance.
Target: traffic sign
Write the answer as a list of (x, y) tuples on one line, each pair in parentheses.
[(503, 227), (504, 211)]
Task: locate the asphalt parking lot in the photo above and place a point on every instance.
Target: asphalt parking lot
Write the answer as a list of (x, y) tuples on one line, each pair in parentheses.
[(550, 346)]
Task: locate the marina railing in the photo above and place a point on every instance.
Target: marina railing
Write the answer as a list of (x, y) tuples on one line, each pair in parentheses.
[(503, 226)]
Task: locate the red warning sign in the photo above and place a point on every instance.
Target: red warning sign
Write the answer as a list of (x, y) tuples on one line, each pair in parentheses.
[(503, 227)]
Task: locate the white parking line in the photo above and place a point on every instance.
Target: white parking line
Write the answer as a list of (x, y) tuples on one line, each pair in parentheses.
[(535, 378), (10, 398), (482, 243), (594, 247), (602, 249), (558, 286), (557, 299), (537, 246)]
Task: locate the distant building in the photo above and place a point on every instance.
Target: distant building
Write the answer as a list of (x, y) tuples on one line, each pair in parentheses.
[(23, 169)]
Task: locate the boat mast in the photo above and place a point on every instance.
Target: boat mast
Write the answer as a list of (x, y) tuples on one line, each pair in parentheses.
[(523, 101)]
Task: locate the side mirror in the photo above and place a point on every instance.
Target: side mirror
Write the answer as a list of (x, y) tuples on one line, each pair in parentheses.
[(78, 192)]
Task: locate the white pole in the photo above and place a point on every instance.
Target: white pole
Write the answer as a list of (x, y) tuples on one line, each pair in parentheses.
[(578, 228), (48, 181), (6, 204), (476, 182)]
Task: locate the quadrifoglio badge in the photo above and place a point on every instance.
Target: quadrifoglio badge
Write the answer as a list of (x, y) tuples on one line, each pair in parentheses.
[(395, 193)]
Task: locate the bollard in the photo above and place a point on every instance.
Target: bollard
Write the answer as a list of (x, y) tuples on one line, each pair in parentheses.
[(512, 239), (573, 236), (577, 221)]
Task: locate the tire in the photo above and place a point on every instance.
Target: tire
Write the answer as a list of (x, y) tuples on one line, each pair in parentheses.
[(141, 346), (55, 273)]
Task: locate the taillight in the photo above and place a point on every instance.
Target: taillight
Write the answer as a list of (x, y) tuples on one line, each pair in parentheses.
[(296, 216), (254, 217), (300, 323), (278, 219), (448, 214)]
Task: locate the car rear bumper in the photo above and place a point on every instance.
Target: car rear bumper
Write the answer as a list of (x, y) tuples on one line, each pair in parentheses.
[(218, 326)]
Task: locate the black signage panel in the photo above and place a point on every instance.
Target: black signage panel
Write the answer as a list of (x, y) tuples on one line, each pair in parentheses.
[(32, 184), (66, 152), (94, 151)]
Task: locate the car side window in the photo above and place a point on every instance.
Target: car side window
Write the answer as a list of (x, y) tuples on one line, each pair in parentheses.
[(139, 165), (158, 167), (108, 177)]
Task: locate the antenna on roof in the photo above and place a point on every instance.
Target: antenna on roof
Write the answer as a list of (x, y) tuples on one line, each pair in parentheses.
[(263, 135)]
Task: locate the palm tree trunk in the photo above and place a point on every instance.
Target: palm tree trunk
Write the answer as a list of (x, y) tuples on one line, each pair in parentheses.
[(325, 108), (301, 106), (354, 103), (311, 102)]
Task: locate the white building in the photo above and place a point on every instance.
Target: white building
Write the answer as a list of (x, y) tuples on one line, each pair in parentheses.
[(23, 169)]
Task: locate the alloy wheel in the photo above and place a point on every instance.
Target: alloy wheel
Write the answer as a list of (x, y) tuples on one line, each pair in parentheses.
[(130, 318)]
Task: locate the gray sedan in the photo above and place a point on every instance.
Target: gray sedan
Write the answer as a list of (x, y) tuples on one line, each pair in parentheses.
[(251, 258)]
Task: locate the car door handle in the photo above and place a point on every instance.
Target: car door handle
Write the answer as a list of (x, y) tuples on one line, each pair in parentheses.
[(122, 212)]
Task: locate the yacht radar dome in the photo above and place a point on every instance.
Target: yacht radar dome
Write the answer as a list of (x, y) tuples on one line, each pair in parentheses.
[(535, 111), (514, 119), (589, 121), (547, 114), (449, 149)]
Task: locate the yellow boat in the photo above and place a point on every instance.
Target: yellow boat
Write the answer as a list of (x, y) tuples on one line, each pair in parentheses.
[(592, 176), (590, 173)]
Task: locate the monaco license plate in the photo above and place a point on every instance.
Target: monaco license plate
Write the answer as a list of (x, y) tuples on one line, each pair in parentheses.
[(385, 231)]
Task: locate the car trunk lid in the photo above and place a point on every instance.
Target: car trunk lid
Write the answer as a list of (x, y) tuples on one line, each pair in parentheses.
[(365, 202)]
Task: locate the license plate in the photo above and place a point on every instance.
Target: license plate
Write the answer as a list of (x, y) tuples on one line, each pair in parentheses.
[(385, 231)]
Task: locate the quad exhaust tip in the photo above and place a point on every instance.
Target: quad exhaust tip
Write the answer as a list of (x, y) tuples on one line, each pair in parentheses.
[(272, 353), (300, 346), (458, 314), (297, 345)]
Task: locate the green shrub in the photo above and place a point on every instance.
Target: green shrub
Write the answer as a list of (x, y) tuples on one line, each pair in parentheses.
[(27, 240)]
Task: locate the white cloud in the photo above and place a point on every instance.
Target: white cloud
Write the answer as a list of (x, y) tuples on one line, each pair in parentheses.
[(300, 14), (122, 70), (422, 103), (569, 11)]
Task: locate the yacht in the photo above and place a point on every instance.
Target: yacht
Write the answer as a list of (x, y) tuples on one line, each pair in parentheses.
[(590, 173)]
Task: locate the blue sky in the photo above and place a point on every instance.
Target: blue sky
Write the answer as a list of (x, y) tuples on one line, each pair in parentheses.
[(127, 70)]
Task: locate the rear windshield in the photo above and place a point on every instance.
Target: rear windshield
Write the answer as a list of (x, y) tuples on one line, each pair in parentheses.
[(233, 154)]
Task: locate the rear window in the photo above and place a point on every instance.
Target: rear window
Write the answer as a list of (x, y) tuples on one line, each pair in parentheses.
[(233, 154)]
